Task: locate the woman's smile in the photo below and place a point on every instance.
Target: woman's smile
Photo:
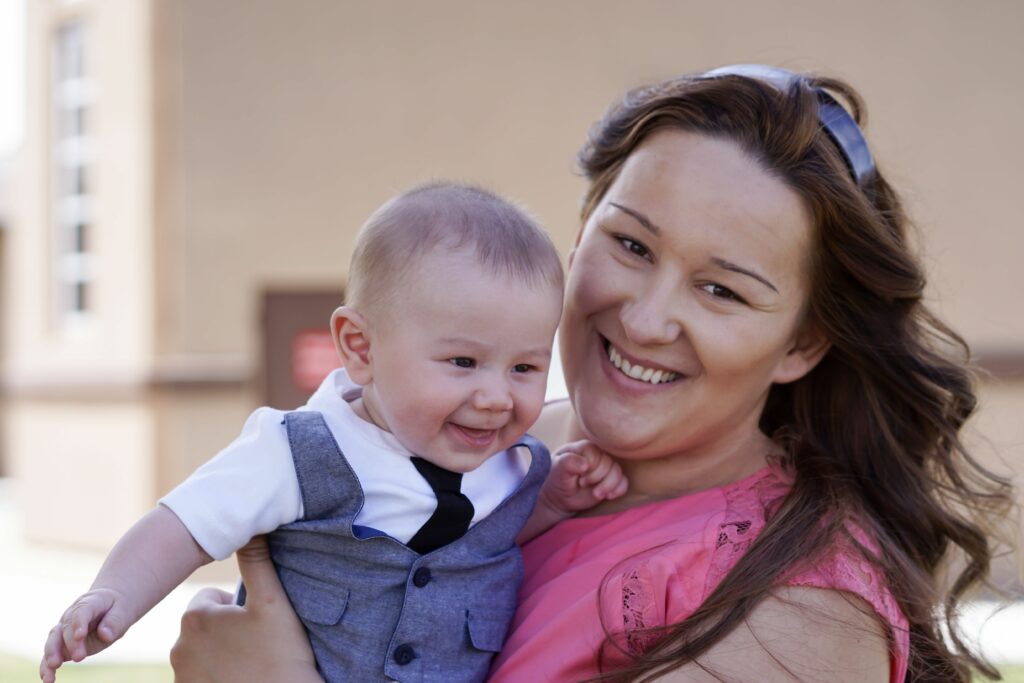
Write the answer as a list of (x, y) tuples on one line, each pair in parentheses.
[(643, 371)]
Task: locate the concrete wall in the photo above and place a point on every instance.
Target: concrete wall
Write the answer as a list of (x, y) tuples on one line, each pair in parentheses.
[(244, 142), (297, 123), (79, 436)]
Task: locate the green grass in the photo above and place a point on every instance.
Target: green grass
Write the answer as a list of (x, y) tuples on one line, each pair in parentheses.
[(1013, 674), (16, 670)]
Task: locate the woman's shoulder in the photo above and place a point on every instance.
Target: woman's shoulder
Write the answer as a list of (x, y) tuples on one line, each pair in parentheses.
[(847, 567), (798, 634)]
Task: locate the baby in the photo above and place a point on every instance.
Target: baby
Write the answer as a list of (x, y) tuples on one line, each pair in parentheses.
[(394, 498)]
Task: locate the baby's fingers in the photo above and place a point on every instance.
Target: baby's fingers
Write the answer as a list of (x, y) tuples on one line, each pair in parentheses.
[(608, 480), (79, 619), (614, 486), (54, 654), (574, 464), (601, 465)]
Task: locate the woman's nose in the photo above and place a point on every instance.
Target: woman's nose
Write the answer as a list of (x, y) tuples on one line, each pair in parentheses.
[(493, 394), (653, 316)]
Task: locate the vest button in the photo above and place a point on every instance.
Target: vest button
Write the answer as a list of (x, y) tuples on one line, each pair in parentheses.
[(404, 654), (421, 577)]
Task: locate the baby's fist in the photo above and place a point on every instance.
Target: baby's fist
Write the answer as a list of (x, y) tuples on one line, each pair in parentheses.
[(91, 624), (583, 475)]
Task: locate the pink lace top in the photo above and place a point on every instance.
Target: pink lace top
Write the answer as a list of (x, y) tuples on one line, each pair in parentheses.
[(656, 564)]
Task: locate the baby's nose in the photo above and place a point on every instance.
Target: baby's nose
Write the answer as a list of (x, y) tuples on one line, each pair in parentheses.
[(493, 395)]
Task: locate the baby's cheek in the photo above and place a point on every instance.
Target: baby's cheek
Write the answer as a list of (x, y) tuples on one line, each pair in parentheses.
[(529, 408)]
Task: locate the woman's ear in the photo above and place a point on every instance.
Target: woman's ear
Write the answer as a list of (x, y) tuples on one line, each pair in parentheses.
[(352, 341), (809, 347)]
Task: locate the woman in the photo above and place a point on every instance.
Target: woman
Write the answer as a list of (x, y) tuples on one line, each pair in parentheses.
[(744, 333)]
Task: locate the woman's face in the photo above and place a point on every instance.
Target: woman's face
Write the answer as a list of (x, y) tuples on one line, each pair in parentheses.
[(685, 297)]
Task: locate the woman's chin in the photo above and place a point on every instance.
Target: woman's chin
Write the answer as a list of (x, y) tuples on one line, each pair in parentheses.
[(615, 432)]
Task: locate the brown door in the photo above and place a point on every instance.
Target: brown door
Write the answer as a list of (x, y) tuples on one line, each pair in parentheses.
[(298, 351)]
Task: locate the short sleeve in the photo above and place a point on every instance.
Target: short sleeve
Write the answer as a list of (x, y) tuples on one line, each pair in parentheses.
[(846, 569), (248, 488), (843, 567)]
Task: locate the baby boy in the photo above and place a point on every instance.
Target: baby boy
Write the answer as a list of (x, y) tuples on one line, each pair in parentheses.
[(394, 498)]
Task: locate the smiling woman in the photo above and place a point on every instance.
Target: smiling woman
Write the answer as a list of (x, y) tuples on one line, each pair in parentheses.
[(744, 334), (654, 267)]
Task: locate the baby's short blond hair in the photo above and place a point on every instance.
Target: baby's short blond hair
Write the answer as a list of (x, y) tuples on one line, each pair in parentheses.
[(502, 236)]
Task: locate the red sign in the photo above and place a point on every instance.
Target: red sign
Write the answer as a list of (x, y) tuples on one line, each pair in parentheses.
[(313, 358)]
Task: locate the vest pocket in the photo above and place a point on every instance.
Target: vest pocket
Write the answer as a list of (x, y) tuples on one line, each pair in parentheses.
[(487, 628), (314, 601)]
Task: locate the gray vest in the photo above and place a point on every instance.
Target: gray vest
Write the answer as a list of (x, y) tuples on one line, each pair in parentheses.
[(375, 609)]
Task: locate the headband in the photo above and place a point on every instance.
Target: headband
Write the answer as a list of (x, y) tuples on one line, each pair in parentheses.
[(837, 123)]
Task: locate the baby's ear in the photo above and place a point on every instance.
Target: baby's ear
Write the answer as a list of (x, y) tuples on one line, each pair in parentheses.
[(352, 341)]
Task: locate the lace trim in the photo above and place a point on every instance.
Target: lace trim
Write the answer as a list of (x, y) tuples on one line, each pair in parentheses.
[(638, 610), (844, 567), (745, 506)]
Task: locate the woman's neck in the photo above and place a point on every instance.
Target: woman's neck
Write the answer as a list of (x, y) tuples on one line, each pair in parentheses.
[(722, 462)]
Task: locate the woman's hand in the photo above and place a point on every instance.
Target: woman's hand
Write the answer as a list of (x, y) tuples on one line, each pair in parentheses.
[(221, 642)]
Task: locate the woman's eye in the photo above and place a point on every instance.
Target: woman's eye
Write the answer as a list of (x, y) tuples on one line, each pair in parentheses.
[(463, 362), (522, 368), (634, 247), (720, 292)]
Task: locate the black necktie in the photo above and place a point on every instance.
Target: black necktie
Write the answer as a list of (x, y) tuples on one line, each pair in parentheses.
[(453, 514)]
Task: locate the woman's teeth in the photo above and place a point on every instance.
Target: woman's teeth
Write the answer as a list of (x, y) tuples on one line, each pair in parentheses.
[(637, 371)]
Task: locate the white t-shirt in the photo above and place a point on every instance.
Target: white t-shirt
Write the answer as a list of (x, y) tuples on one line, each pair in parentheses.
[(251, 487)]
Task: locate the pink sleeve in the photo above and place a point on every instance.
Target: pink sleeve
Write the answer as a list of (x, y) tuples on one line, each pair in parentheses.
[(845, 569)]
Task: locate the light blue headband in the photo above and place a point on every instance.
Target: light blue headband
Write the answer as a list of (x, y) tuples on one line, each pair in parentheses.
[(837, 123)]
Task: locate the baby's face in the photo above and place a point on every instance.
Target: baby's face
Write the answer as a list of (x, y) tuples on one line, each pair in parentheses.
[(460, 361)]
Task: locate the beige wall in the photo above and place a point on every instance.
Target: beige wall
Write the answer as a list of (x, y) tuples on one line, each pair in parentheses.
[(996, 437), (244, 142), (115, 348), (81, 468), (79, 436), (297, 123)]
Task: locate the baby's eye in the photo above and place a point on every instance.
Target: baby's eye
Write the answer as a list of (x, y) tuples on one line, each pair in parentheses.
[(634, 247), (523, 368), (720, 292), (463, 362)]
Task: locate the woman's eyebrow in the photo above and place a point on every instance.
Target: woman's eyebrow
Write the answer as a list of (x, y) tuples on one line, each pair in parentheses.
[(640, 218), (728, 265)]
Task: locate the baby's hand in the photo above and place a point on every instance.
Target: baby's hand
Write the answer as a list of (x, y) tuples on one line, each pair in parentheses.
[(92, 623), (582, 475)]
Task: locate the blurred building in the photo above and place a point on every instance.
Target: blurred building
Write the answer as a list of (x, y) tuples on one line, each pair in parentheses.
[(194, 172)]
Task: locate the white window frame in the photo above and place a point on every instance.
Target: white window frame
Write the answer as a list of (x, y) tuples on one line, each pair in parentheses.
[(73, 157)]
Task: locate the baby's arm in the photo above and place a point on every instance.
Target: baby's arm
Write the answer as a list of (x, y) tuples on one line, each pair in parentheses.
[(582, 475), (156, 555)]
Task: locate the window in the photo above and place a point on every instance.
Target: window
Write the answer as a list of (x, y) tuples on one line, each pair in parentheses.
[(73, 156)]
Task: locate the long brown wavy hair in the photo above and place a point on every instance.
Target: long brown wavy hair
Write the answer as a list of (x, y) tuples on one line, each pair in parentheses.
[(871, 435)]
